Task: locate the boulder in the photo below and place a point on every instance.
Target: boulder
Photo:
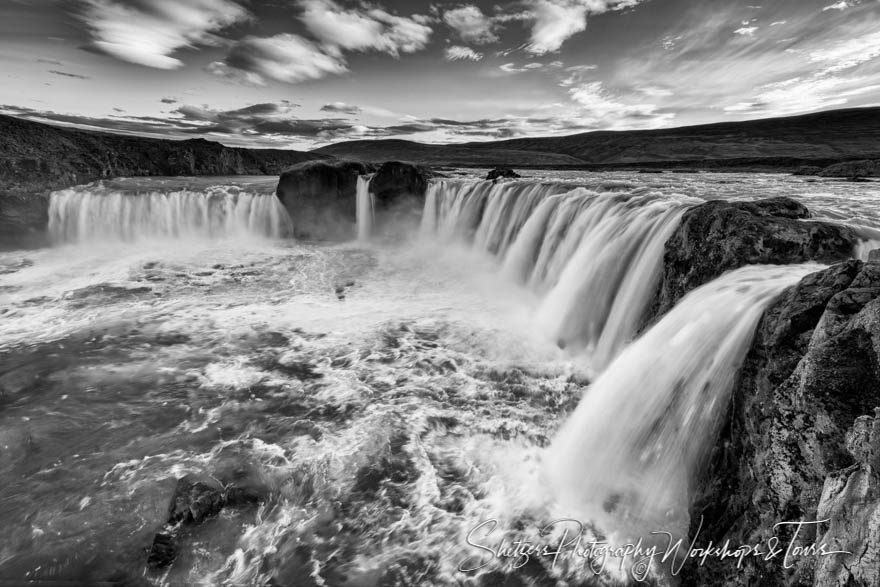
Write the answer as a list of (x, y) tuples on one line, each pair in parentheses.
[(502, 172), (718, 236), (399, 196), (395, 181), (196, 499), (802, 441), (320, 197)]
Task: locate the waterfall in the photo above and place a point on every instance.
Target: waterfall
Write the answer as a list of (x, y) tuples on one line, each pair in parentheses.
[(595, 258), (94, 213), (644, 426), (365, 208)]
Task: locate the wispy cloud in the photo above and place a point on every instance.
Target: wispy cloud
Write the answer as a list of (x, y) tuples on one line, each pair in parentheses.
[(286, 58), (459, 53), (149, 33), (341, 107), (362, 30), (67, 74), (293, 58), (842, 5)]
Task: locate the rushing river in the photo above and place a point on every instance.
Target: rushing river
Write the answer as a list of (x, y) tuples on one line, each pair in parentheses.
[(380, 398)]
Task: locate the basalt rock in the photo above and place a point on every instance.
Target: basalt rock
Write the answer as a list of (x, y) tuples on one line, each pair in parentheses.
[(399, 195), (808, 170), (320, 197), (197, 499), (719, 236), (395, 181), (802, 441), (853, 169), (502, 172)]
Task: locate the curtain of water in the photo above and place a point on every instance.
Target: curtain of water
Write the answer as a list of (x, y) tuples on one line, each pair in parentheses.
[(96, 213)]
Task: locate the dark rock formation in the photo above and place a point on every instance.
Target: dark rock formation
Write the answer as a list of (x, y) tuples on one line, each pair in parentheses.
[(395, 181), (399, 194), (36, 158), (320, 197), (718, 236), (803, 441), (195, 500), (502, 172), (853, 169), (808, 170)]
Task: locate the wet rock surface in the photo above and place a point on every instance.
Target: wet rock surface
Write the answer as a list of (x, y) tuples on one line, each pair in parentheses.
[(718, 236), (502, 172), (320, 197), (802, 438)]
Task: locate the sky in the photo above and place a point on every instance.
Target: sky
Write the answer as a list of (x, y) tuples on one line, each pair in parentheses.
[(301, 74)]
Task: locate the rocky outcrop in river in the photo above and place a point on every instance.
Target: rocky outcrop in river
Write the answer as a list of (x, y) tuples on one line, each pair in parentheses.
[(803, 439), (320, 195), (718, 236)]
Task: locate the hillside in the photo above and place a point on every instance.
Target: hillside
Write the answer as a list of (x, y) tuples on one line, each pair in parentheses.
[(785, 143), (35, 155), (470, 155)]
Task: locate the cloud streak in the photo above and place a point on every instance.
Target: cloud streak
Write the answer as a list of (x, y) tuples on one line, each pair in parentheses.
[(149, 32)]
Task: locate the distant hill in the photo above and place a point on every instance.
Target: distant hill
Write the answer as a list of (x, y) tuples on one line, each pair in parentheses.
[(822, 138), (33, 154), (472, 154)]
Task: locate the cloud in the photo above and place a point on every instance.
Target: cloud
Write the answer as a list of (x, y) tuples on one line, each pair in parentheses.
[(746, 31), (292, 58), (601, 107), (148, 32), (471, 25), (363, 29), (555, 21), (66, 74), (458, 53), (285, 57), (847, 54), (842, 5), (533, 66), (341, 107), (804, 95)]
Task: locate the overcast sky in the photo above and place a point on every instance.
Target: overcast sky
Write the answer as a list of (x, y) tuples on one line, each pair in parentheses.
[(303, 73)]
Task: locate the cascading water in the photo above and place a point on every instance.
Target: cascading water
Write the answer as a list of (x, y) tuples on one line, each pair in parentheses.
[(627, 453), (364, 203), (594, 257), (96, 212)]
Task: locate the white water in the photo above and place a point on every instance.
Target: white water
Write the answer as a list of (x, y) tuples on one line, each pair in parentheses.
[(96, 213), (365, 208), (594, 258), (133, 365), (628, 452)]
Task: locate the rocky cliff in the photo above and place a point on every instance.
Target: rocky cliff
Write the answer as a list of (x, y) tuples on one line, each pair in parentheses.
[(37, 158), (718, 236), (802, 442)]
